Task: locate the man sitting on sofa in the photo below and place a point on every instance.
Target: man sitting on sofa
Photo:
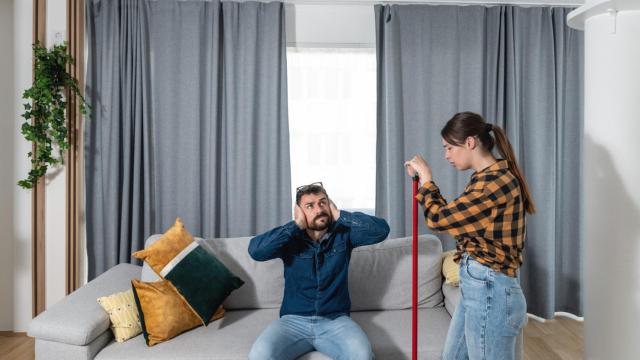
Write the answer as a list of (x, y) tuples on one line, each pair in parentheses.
[(315, 249)]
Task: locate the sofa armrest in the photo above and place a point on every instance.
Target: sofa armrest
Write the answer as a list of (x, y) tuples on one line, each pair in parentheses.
[(78, 319)]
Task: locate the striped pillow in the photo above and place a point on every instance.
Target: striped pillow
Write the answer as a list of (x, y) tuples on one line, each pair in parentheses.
[(201, 279), (123, 314)]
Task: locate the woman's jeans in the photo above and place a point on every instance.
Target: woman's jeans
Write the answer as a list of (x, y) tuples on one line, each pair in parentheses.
[(489, 317), (292, 336)]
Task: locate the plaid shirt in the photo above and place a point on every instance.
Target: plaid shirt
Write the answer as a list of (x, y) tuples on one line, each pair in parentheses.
[(487, 220)]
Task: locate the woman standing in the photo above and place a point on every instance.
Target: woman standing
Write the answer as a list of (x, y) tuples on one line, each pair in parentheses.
[(488, 222)]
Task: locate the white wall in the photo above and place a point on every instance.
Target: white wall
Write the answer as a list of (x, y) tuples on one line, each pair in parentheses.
[(15, 251), (317, 25), (6, 162), (55, 205), (447, 2), (20, 203), (611, 177), (351, 23)]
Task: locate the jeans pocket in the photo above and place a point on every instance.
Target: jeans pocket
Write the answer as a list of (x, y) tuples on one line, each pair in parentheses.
[(476, 271), (516, 310)]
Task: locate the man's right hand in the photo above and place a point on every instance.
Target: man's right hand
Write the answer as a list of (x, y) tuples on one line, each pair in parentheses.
[(299, 217)]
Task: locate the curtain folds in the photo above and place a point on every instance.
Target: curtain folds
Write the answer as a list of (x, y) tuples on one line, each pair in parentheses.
[(521, 67), (189, 120)]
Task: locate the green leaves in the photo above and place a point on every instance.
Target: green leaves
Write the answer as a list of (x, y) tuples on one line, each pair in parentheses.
[(47, 107)]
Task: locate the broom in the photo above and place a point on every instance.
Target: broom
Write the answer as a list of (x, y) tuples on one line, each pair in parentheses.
[(414, 250)]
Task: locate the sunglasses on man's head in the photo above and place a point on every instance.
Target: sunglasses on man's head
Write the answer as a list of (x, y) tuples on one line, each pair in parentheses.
[(307, 187)]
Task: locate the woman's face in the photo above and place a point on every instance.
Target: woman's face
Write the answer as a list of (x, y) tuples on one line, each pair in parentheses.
[(458, 155)]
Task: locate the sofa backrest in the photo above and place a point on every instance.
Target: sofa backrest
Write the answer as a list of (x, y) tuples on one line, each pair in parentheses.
[(263, 280), (379, 275)]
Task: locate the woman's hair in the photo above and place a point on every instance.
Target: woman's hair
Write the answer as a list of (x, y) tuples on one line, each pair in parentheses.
[(465, 124)]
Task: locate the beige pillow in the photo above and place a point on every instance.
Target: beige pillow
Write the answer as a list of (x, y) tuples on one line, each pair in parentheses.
[(123, 314), (450, 269)]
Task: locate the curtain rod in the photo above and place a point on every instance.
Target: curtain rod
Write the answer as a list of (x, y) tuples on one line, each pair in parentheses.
[(567, 3)]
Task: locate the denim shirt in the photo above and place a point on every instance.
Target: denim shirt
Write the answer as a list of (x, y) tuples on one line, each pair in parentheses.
[(316, 272)]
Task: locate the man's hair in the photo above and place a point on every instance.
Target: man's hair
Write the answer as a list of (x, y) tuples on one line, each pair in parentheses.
[(309, 189)]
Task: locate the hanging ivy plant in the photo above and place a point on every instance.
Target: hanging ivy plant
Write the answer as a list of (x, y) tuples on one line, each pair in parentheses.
[(47, 107)]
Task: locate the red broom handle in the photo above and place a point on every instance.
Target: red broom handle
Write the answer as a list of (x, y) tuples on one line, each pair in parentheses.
[(415, 272)]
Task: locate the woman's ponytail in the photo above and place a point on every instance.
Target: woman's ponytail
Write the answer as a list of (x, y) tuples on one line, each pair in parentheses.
[(506, 150)]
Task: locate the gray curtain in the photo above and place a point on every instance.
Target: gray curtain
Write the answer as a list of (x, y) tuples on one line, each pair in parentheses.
[(521, 67), (189, 120)]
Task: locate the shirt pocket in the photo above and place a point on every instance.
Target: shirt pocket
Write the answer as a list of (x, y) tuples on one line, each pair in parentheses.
[(338, 248), (305, 254), (301, 274), (302, 262), (336, 259)]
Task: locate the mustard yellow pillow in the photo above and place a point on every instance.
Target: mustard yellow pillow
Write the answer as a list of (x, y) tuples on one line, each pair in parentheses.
[(450, 269), (163, 313), (199, 277), (123, 314), (165, 249)]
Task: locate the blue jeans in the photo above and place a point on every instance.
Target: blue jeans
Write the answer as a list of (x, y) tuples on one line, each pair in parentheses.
[(489, 317), (292, 336)]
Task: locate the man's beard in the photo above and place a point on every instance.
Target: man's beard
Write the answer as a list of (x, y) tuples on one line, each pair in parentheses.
[(313, 226)]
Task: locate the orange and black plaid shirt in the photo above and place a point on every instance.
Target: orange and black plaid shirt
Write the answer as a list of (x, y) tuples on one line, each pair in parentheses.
[(487, 220)]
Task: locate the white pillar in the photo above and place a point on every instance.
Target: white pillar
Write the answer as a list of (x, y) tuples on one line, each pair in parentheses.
[(611, 194)]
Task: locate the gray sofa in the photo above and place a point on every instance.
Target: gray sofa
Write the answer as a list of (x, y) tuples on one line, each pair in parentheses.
[(379, 284)]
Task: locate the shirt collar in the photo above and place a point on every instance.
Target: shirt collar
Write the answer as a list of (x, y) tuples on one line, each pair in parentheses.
[(501, 164), (322, 239)]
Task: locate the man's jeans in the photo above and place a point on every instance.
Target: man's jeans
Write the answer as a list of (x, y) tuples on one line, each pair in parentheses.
[(292, 336), (489, 317)]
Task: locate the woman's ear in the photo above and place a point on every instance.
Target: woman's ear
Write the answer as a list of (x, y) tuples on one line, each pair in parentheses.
[(471, 142)]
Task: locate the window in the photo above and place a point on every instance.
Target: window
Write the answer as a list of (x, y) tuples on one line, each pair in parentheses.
[(332, 123)]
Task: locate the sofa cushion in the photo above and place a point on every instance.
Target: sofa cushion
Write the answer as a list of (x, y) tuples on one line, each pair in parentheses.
[(199, 276), (450, 268), (451, 297), (232, 337), (166, 248), (123, 314), (380, 274), (163, 313), (148, 275)]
